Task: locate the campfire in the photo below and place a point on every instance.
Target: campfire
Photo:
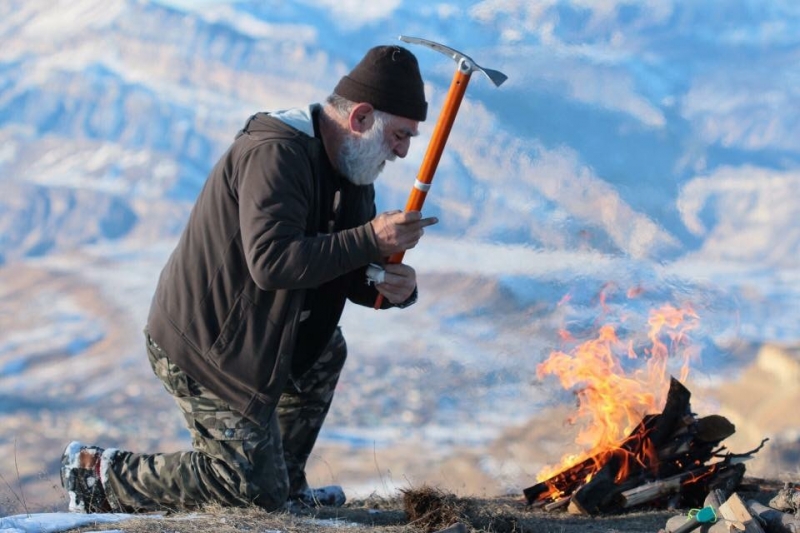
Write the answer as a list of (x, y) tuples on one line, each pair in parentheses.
[(644, 445)]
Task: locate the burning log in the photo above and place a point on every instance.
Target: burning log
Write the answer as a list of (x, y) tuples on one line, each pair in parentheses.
[(664, 456)]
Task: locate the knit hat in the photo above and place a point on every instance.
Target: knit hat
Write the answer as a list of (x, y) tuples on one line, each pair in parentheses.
[(388, 78)]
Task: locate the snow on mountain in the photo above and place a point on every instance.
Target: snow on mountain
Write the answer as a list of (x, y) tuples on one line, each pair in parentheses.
[(640, 153)]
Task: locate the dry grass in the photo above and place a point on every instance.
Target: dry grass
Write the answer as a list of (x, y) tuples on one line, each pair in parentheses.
[(421, 510)]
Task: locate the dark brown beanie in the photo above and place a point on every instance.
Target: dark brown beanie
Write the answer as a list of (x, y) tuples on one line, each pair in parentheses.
[(388, 78)]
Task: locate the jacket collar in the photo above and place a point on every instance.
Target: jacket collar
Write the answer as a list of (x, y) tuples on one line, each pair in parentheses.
[(300, 119)]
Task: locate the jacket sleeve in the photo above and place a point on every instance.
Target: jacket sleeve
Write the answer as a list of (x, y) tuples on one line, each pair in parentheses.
[(275, 186)]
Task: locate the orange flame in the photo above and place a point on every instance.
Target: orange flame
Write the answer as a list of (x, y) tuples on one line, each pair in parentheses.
[(611, 401)]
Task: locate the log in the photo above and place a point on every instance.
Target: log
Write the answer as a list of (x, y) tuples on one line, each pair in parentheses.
[(775, 520), (558, 504), (675, 409), (736, 512), (652, 491), (714, 429), (590, 498), (787, 499), (715, 498), (693, 442), (566, 481), (718, 482)]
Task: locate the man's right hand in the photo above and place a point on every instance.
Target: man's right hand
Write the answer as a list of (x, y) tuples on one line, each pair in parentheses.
[(398, 231)]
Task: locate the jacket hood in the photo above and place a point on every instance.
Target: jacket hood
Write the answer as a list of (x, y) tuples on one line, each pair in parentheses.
[(297, 120)]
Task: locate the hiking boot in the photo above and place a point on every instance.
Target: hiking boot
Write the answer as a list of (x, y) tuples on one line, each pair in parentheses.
[(80, 477), (330, 496)]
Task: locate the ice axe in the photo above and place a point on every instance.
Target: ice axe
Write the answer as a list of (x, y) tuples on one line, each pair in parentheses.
[(465, 66)]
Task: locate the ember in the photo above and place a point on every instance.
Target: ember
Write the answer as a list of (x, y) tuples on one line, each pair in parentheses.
[(635, 457)]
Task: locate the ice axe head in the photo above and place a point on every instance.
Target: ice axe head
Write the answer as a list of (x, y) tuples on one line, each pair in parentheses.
[(465, 63)]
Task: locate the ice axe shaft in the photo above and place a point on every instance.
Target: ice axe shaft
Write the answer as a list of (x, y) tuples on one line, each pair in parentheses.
[(465, 66)]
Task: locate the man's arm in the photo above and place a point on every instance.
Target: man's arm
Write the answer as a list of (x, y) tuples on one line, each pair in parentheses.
[(275, 188)]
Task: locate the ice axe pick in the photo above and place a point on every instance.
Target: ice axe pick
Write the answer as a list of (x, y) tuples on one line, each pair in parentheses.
[(465, 66)]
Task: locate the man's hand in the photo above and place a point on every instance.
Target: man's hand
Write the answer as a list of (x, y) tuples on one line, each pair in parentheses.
[(398, 283), (398, 231)]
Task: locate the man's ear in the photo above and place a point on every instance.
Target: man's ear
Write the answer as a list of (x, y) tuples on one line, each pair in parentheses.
[(361, 117)]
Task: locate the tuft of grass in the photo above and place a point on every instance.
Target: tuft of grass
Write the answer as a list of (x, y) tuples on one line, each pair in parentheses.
[(18, 495), (430, 509)]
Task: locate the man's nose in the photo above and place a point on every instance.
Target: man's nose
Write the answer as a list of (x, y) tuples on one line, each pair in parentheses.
[(401, 147)]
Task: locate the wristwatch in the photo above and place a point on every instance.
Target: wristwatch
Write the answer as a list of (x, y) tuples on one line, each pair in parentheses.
[(411, 300)]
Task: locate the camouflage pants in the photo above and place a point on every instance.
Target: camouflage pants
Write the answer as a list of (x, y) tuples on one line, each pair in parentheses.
[(234, 461)]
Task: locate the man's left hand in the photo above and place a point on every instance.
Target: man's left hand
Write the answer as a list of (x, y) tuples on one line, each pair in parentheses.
[(398, 283)]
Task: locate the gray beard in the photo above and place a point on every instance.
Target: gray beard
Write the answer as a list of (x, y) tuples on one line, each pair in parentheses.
[(362, 159)]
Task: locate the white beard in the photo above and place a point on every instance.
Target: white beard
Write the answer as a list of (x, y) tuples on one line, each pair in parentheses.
[(362, 159)]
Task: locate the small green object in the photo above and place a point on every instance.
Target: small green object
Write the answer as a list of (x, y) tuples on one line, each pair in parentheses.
[(706, 515)]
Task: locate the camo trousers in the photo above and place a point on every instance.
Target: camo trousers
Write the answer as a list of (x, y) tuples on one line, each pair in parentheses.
[(234, 462)]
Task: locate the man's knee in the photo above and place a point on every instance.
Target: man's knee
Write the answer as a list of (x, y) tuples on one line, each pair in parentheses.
[(267, 490)]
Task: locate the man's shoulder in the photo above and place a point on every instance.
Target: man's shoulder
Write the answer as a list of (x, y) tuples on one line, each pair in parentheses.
[(285, 127), (300, 119), (287, 123)]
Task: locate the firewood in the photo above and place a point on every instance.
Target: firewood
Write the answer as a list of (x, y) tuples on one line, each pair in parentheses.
[(735, 511), (714, 428), (787, 499), (599, 494), (651, 491), (675, 409), (775, 520), (558, 504), (567, 481), (715, 498), (666, 455)]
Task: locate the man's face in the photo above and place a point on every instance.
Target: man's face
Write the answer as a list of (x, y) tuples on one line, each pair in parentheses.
[(363, 157)]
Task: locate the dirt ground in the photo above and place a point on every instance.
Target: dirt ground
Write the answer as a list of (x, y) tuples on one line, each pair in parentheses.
[(495, 515)]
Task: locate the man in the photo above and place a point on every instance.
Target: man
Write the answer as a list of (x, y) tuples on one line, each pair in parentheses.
[(243, 328)]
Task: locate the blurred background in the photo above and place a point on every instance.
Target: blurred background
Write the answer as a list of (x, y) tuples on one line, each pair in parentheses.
[(641, 154)]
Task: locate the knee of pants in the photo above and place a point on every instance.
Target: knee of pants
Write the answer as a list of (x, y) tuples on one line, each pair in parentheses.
[(268, 493), (264, 474)]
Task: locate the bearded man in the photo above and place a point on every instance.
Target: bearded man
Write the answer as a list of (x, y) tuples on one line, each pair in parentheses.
[(243, 327)]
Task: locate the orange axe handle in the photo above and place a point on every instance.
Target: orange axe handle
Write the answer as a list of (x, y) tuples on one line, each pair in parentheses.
[(434, 153)]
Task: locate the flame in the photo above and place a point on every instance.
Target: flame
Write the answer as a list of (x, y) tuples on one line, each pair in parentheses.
[(611, 401)]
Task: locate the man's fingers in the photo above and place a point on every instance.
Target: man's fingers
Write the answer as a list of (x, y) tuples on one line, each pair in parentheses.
[(398, 231), (411, 217), (398, 274), (401, 269), (395, 288), (430, 221)]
